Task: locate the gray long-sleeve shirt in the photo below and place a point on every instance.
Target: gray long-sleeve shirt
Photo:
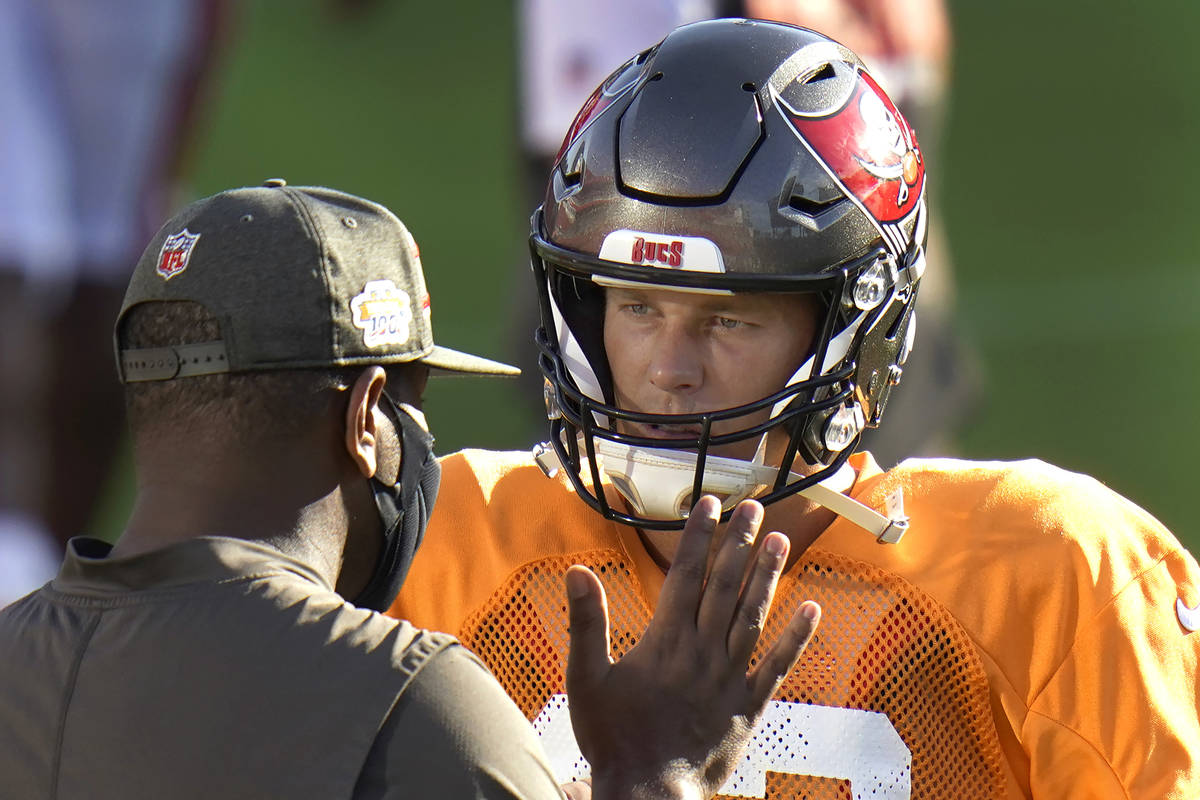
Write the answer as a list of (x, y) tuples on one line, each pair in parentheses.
[(223, 668)]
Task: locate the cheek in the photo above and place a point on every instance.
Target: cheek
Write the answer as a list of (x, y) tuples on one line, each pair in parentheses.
[(780, 357), (750, 373), (623, 354), (747, 375), (389, 454)]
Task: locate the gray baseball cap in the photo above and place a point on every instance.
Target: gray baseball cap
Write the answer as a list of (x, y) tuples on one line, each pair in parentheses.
[(297, 277)]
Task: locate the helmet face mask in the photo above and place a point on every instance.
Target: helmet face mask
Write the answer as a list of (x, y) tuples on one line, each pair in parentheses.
[(759, 200)]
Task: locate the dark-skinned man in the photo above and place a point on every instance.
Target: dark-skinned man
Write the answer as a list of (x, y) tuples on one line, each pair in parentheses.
[(274, 343)]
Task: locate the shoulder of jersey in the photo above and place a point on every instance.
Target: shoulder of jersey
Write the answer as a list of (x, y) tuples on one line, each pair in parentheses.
[(489, 469), (1047, 507)]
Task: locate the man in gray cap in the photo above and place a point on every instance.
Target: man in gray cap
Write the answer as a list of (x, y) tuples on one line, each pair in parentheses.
[(274, 343)]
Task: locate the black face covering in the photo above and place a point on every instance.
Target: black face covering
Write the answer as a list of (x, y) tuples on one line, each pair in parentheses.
[(404, 509)]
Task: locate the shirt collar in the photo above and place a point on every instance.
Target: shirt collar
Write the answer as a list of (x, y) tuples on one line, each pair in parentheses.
[(89, 569)]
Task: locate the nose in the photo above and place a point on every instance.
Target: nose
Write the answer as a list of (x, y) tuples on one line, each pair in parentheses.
[(676, 365)]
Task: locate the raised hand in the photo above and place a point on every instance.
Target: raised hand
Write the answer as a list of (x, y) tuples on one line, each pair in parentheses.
[(673, 717)]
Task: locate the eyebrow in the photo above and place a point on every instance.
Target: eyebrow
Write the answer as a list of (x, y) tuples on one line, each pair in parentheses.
[(708, 304)]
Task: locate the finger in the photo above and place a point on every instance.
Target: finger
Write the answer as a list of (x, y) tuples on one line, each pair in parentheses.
[(577, 790), (588, 658), (681, 590), (784, 654), (724, 584), (756, 600)]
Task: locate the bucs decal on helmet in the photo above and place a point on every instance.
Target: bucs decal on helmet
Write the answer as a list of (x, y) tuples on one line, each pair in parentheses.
[(693, 253), (869, 144)]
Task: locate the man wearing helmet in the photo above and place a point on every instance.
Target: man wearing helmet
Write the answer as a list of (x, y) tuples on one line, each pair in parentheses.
[(728, 258)]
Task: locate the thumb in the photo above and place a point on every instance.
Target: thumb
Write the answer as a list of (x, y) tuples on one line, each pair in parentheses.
[(588, 659)]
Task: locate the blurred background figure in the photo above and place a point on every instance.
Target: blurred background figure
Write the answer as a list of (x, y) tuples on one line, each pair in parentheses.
[(1064, 183), (96, 101), (567, 47)]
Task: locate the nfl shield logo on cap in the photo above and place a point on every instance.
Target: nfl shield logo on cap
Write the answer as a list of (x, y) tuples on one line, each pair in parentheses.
[(175, 253)]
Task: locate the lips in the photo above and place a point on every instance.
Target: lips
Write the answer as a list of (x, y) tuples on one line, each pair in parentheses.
[(653, 431)]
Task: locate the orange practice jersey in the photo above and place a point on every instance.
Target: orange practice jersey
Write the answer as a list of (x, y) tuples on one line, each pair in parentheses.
[(1027, 638)]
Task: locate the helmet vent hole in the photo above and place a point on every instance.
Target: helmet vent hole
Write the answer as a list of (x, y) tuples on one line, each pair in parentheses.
[(658, 76), (811, 207), (749, 86), (572, 175), (823, 74)]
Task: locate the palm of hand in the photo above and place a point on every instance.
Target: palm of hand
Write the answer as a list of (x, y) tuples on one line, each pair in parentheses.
[(673, 717)]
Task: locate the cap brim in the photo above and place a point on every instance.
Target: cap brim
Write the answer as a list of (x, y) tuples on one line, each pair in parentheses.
[(452, 361)]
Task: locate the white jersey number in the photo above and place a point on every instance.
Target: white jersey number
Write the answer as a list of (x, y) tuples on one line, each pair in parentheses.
[(861, 747)]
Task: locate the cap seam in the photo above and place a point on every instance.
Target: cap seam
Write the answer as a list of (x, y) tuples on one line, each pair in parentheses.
[(295, 198)]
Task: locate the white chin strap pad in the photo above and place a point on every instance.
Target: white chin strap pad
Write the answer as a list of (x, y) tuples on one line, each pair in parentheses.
[(657, 483)]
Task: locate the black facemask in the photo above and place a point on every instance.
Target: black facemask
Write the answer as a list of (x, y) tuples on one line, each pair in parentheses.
[(404, 509)]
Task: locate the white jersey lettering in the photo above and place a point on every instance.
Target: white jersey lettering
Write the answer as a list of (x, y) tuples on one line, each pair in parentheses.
[(861, 747)]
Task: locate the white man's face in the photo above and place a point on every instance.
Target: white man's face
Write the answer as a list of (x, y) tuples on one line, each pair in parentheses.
[(681, 353)]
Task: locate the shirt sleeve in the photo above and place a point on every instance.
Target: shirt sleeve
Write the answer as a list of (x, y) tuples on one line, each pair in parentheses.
[(1121, 717), (454, 733)]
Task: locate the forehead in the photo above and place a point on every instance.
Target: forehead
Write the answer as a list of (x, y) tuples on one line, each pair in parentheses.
[(786, 305)]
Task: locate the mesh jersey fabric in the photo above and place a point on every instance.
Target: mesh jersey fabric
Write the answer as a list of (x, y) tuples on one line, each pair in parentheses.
[(222, 668), (1021, 640)]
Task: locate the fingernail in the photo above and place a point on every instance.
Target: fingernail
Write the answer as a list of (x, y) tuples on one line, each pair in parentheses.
[(577, 584), (752, 510), (776, 544), (811, 611)]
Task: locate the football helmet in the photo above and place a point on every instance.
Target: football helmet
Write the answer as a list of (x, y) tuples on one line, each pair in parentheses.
[(734, 156)]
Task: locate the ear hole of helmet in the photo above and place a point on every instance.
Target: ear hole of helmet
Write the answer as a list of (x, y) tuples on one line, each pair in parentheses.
[(901, 323), (810, 440)]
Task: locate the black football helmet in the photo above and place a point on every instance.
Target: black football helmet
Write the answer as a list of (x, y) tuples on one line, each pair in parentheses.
[(734, 156)]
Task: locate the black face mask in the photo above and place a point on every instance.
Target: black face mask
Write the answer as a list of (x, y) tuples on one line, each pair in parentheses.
[(404, 509)]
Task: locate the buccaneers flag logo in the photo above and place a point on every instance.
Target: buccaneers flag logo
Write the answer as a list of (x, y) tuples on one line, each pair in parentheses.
[(870, 148)]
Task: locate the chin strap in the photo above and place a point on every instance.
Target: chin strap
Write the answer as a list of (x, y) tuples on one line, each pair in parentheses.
[(887, 529), (732, 480)]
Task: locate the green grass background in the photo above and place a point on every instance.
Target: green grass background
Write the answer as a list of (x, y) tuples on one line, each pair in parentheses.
[(1067, 181)]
